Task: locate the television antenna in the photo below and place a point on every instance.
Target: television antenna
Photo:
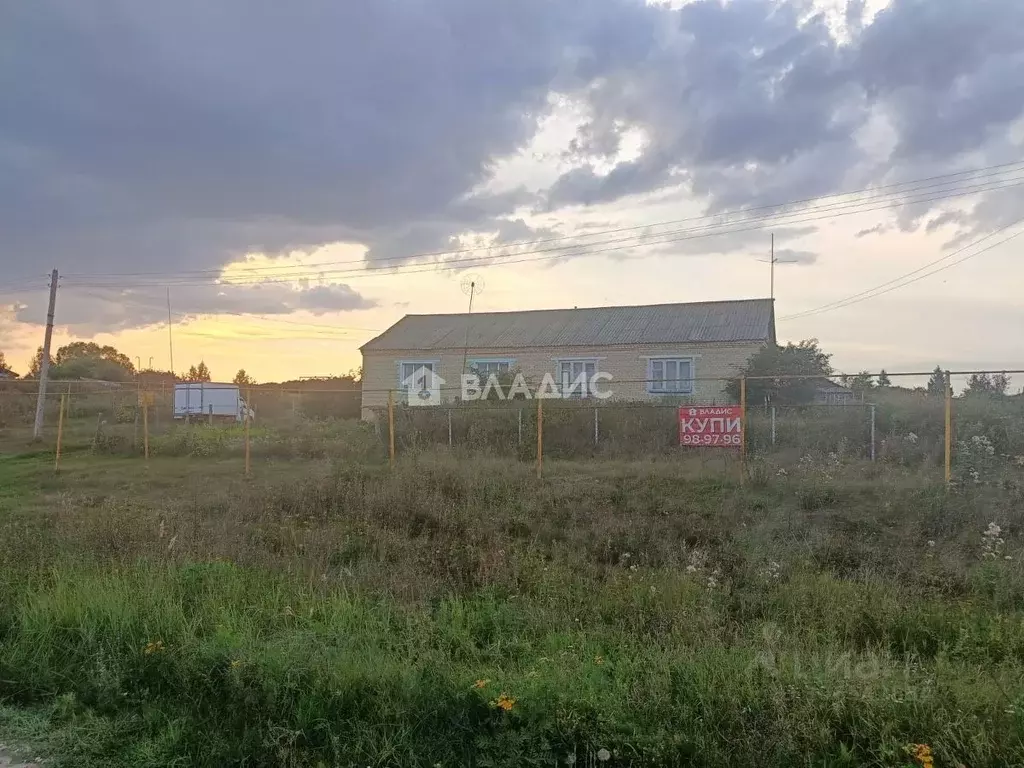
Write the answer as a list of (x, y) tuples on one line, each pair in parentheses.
[(472, 286), (772, 261)]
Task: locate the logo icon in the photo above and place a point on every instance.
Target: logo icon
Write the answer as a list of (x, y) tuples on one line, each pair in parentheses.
[(423, 387)]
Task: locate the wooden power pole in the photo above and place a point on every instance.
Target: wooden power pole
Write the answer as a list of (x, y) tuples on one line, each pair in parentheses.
[(44, 364)]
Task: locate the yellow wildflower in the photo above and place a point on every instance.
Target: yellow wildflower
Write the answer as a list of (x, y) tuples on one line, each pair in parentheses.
[(599, 659), (482, 683), (153, 646), (505, 702), (236, 663), (922, 753)]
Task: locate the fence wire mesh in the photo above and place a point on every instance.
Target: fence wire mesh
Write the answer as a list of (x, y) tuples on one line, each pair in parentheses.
[(895, 426)]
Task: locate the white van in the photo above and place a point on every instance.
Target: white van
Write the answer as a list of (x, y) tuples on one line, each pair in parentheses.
[(203, 399)]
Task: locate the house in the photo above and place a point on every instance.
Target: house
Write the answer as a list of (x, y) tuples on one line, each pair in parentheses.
[(827, 392), (649, 352)]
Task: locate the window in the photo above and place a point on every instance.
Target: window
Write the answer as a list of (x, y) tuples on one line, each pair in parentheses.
[(575, 377), (416, 373), (670, 375), (486, 368)]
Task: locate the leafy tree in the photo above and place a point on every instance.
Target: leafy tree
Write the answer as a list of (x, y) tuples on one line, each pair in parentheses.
[(198, 373), (991, 386), (937, 383), (88, 360), (89, 349), (5, 368), (861, 383), (243, 379), (36, 366), (883, 379), (803, 359)]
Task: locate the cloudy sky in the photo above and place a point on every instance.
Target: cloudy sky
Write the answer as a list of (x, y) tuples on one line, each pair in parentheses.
[(297, 176)]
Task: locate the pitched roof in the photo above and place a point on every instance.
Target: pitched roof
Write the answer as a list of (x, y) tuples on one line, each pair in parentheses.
[(706, 322)]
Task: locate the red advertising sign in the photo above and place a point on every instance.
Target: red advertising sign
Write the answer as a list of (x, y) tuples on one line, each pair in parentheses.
[(720, 425)]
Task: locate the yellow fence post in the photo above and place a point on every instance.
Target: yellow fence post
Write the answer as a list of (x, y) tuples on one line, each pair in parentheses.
[(145, 426), (540, 437), (949, 432), (60, 431), (391, 428), (743, 429)]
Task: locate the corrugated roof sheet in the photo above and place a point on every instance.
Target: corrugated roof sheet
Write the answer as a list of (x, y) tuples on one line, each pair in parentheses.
[(704, 322)]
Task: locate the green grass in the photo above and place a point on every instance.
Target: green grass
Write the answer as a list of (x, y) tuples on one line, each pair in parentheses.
[(337, 614)]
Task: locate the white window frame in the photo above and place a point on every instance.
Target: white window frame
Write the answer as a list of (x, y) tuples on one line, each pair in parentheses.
[(560, 361), (434, 366), (687, 384)]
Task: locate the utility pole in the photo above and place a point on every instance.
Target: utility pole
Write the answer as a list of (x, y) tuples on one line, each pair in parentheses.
[(170, 330), (44, 364)]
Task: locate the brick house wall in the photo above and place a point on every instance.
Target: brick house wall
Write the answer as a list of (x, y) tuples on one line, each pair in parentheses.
[(627, 364)]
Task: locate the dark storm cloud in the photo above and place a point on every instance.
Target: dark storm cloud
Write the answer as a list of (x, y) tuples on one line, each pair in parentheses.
[(738, 102), (754, 103), (179, 136), (94, 310)]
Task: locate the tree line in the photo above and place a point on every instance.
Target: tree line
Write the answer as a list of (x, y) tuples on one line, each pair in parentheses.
[(772, 368), (87, 360)]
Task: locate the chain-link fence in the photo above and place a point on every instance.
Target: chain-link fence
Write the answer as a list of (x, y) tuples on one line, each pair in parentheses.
[(899, 426)]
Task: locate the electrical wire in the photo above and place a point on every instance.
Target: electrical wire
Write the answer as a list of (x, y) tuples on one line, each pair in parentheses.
[(891, 285), (942, 179), (657, 239)]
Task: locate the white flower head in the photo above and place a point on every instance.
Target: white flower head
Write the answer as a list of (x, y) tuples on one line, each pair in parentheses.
[(604, 755)]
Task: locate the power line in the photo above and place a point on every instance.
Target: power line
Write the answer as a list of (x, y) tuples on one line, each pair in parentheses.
[(943, 179), (633, 241), (890, 286), (712, 230)]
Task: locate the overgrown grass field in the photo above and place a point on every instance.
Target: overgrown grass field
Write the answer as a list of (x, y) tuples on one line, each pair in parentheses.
[(459, 611)]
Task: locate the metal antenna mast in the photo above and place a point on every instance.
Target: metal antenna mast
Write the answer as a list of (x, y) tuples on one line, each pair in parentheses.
[(472, 284), (772, 261)]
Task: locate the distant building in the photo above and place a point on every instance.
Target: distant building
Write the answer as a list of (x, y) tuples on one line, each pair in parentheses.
[(674, 350), (827, 392)]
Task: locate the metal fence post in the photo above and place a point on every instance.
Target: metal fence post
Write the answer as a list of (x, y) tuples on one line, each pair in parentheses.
[(60, 431), (743, 429), (520, 411), (949, 432), (391, 428), (872, 431), (449, 427), (595, 426), (248, 406), (773, 426), (540, 437)]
